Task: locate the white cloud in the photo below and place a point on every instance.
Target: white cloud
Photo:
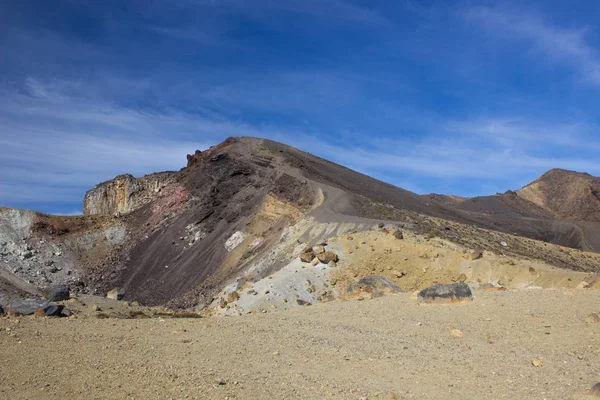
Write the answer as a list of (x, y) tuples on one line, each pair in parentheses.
[(561, 45), (58, 140)]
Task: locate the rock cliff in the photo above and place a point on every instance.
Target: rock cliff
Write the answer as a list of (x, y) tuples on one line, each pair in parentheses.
[(125, 193)]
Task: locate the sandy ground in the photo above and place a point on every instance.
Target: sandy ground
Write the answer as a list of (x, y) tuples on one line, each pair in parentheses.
[(388, 347)]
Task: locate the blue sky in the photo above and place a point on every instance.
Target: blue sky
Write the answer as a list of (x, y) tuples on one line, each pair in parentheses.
[(462, 97)]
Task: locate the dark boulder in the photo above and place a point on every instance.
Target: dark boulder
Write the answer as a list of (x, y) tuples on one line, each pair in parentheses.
[(58, 293), (53, 310), (26, 307), (449, 293)]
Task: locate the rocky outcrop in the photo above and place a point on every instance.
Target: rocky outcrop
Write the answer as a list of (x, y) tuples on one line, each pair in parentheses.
[(125, 193), (371, 286)]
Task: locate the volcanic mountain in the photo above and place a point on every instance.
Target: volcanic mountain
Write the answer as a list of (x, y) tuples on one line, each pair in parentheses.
[(242, 210)]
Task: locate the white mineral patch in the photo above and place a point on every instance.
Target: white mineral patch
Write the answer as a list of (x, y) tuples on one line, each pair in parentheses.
[(235, 240)]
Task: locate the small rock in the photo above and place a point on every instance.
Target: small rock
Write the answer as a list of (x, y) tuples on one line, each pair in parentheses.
[(223, 303), (531, 271), (66, 312), (96, 308), (318, 249), (315, 262), (233, 296), (331, 264), (461, 278), (39, 313), (473, 255), (301, 302), (307, 257), (456, 332), (503, 244), (399, 235), (536, 363), (220, 381), (115, 294), (1, 310)]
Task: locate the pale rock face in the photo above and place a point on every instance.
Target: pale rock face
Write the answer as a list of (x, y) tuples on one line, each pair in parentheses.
[(235, 240), (124, 194)]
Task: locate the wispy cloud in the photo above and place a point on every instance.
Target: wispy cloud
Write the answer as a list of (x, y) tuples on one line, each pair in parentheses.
[(558, 44), (55, 143)]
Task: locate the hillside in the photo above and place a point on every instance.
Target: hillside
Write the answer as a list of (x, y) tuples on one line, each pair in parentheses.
[(244, 209)]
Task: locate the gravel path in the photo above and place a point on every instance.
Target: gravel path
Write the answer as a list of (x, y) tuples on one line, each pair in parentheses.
[(384, 348)]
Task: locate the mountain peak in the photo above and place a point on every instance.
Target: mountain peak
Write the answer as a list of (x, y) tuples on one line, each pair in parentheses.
[(565, 194)]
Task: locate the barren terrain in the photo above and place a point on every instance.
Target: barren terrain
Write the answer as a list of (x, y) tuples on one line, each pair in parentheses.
[(384, 348)]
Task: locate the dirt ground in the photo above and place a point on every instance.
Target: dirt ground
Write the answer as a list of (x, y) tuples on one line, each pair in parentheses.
[(527, 344)]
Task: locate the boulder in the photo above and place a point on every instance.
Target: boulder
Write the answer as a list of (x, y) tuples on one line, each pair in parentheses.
[(449, 293), (371, 286), (58, 293), (327, 257), (53, 310), (115, 294), (307, 257), (26, 307)]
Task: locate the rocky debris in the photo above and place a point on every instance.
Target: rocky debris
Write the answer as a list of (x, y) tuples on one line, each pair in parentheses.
[(473, 255), (446, 293), (307, 257), (26, 307), (327, 257), (115, 294), (58, 293), (235, 240), (399, 235), (371, 286)]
